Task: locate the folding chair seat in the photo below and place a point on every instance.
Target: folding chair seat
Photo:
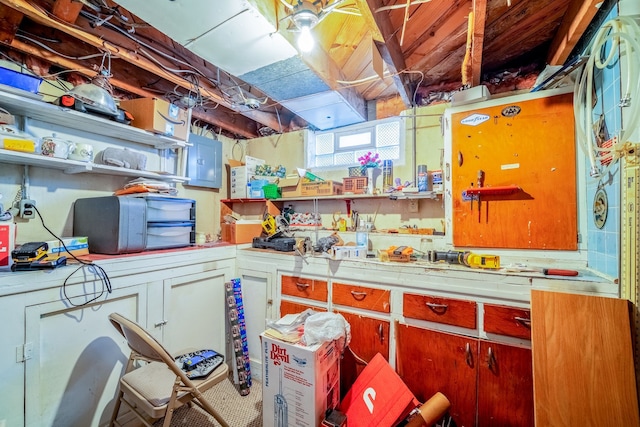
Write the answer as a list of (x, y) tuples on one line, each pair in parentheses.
[(158, 387)]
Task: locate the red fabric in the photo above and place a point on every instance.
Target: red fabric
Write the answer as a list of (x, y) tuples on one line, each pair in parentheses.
[(378, 398)]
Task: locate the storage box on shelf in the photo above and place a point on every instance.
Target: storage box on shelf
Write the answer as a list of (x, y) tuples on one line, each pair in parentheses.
[(158, 116), (324, 188)]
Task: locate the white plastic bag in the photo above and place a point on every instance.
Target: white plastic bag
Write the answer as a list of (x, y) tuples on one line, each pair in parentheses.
[(324, 326)]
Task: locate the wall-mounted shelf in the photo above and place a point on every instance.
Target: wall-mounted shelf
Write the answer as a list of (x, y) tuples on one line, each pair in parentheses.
[(392, 196), (75, 167), (492, 191), (49, 113)]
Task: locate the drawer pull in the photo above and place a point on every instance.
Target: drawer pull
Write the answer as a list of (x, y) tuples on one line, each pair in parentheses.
[(302, 286), (437, 308), (469, 356), (491, 359), (358, 296), (524, 321), (161, 323), (381, 333)]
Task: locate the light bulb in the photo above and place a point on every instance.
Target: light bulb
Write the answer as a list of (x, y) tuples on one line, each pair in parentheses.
[(305, 40)]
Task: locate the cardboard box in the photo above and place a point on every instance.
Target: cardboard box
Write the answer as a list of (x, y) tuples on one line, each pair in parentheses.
[(241, 232), (299, 383), (76, 245), (290, 186), (238, 182), (158, 116), (325, 188), (378, 397)]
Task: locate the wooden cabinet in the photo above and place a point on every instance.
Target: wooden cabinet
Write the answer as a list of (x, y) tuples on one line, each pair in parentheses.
[(430, 361), (449, 311), (300, 293), (505, 385), (488, 383), (509, 321)]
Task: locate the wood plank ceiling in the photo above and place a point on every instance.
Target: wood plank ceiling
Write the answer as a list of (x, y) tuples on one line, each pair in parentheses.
[(370, 51)]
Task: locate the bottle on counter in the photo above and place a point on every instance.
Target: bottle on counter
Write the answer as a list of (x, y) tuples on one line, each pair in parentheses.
[(387, 174), (423, 178)]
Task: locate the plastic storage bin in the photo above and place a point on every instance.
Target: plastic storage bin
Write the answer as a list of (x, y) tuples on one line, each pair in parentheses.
[(255, 188), (19, 80), (271, 191), (169, 234), (169, 209)]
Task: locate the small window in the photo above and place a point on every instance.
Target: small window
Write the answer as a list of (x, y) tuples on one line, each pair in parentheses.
[(341, 147)]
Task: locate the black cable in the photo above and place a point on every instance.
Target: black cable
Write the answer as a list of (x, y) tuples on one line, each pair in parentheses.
[(93, 268)]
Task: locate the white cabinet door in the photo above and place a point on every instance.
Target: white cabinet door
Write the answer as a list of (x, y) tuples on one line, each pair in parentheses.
[(258, 306), (77, 358), (194, 311)]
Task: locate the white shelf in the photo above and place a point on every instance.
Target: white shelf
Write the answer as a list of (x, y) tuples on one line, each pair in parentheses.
[(49, 113), (75, 167)]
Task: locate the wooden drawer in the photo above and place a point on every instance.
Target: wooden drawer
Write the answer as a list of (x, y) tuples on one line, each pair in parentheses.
[(442, 310), (305, 288), (504, 320), (361, 297)]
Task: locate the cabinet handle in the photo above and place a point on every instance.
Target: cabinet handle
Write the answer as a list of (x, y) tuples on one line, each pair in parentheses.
[(491, 359), (469, 355), (524, 321), (358, 296), (302, 286), (160, 323), (437, 308), (381, 333)]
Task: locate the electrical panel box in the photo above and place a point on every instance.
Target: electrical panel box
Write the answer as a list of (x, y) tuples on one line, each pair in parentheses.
[(204, 162)]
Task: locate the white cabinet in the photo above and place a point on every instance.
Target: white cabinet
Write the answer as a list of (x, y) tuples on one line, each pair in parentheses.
[(60, 364), (77, 359), (257, 288)]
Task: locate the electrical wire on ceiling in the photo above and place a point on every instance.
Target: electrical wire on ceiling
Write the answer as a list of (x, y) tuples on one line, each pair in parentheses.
[(620, 36)]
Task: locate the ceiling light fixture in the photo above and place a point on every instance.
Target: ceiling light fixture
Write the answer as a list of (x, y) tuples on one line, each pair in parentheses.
[(305, 17)]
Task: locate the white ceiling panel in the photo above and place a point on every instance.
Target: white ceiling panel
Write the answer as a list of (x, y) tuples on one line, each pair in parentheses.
[(325, 110), (230, 34)]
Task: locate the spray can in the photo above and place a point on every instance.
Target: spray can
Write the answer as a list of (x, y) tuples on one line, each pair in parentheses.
[(423, 178), (387, 174)]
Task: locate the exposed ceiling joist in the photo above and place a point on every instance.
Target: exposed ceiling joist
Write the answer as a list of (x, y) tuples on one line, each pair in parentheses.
[(9, 22), (479, 19), (67, 10), (388, 47), (132, 57), (575, 22)]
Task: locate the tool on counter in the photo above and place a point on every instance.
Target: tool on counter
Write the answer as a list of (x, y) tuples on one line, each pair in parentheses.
[(396, 253), (34, 256), (546, 271), (466, 258)]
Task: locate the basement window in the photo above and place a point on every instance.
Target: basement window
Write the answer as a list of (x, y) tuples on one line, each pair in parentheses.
[(340, 148)]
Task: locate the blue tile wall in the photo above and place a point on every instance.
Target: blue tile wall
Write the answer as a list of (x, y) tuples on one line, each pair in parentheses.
[(603, 245)]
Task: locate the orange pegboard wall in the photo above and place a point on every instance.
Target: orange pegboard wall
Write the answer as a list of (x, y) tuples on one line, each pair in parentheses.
[(530, 145)]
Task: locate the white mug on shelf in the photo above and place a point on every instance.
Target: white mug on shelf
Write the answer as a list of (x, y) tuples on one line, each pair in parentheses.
[(82, 152), (56, 147)]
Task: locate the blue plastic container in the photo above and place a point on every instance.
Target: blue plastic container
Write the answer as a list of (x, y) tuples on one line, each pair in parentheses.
[(18, 80), (255, 188)]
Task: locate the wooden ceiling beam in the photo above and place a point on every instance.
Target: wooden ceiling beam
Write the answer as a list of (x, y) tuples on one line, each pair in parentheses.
[(388, 46), (40, 17), (479, 19), (67, 10), (9, 22), (221, 116), (573, 25)]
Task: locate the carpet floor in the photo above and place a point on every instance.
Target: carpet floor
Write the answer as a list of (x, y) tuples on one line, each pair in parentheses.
[(237, 410)]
